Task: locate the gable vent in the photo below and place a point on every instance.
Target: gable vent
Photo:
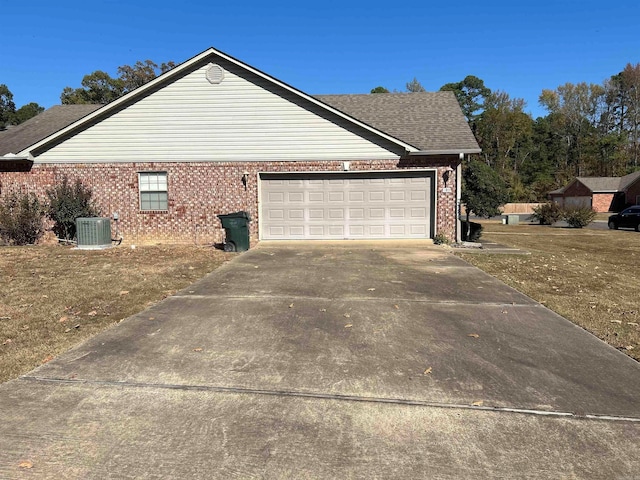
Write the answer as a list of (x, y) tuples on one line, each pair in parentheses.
[(215, 74)]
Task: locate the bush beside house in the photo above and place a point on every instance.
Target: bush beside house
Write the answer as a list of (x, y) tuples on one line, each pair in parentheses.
[(21, 219)]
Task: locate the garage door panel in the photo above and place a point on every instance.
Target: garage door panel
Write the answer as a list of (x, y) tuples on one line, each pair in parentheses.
[(418, 196), (397, 213), (336, 197), (336, 230), (316, 197), (376, 213), (353, 205), (377, 231), (377, 196), (295, 214), (356, 230), (356, 213), (336, 214), (276, 197), (397, 195), (316, 214), (418, 213), (297, 231), (357, 196), (276, 214), (296, 197)]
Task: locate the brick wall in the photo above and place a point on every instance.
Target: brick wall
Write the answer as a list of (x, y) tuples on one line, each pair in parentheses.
[(602, 202), (198, 192), (577, 189), (633, 193)]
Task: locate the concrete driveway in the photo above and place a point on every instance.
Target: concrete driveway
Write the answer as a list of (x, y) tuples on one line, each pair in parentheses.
[(331, 360)]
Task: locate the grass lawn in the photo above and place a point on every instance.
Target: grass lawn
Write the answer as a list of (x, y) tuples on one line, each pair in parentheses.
[(590, 277), (52, 297)]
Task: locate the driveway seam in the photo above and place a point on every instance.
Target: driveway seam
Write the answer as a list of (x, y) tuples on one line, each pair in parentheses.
[(330, 396), (357, 299)]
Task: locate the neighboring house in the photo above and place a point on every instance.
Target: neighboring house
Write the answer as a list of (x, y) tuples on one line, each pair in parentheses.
[(215, 135), (603, 194)]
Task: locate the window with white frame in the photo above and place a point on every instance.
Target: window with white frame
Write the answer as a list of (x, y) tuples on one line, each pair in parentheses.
[(153, 191)]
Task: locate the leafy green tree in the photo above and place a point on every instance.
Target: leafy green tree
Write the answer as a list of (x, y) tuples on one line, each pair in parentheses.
[(379, 89), (415, 86), (471, 94), (26, 112), (67, 202), (484, 191), (7, 107), (580, 106), (626, 102), (504, 132), (99, 87), (137, 75), (545, 169)]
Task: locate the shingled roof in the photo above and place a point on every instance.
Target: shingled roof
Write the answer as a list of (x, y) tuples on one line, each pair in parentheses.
[(602, 184), (16, 139), (430, 121), (609, 184)]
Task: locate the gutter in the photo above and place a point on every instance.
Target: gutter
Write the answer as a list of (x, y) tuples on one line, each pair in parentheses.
[(12, 157), (464, 151)]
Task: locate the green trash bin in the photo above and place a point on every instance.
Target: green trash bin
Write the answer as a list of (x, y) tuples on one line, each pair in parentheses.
[(236, 231)]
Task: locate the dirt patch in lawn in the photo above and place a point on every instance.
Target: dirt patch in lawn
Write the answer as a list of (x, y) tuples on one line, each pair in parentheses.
[(52, 297), (590, 277)]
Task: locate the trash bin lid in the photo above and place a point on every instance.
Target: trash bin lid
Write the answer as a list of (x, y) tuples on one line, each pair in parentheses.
[(241, 214)]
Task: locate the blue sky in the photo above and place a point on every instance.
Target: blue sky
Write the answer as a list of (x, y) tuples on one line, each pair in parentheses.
[(325, 47)]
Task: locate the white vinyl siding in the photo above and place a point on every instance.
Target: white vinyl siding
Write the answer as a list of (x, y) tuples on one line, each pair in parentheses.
[(241, 119), (153, 191)]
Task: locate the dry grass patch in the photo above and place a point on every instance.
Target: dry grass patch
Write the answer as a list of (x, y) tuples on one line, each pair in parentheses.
[(590, 277), (53, 297)]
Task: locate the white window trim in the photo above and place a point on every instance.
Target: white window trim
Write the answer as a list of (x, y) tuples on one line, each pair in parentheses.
[(141, 190)]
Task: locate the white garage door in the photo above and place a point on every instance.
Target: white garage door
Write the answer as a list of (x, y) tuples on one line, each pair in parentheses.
[(346, 205)]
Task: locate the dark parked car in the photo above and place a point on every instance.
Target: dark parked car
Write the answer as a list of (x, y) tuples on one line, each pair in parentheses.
[(629, 218)]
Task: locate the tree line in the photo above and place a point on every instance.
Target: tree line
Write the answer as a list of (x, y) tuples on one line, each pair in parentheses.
[(589, 130), (9, 115)]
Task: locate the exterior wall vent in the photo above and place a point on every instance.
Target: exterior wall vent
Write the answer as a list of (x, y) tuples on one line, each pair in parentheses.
[(93, 233), (215, 74)]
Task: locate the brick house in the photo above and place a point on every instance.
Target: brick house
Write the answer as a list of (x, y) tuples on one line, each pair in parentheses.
[(603, 194), (215, 135)]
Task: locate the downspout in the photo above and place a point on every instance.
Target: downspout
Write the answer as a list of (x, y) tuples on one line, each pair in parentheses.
[(458, 196)]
